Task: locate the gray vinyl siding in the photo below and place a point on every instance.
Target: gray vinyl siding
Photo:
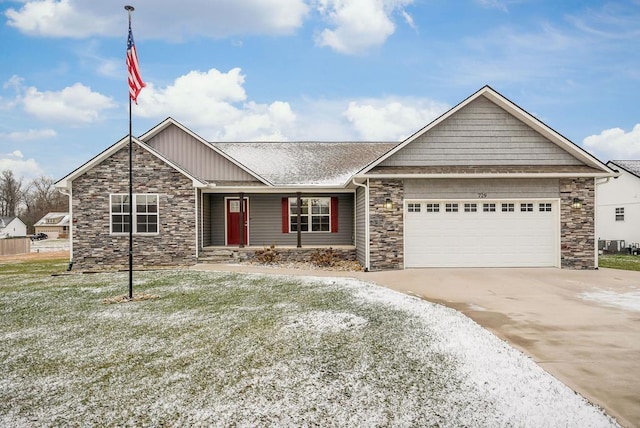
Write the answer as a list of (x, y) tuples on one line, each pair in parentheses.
[(265, 222), (206, 220), (217, 220), (361, 241), (481, 133), (196, 157), (491, 188)]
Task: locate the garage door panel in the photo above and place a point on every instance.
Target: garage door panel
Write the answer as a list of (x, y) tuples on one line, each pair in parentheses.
[(476, 239)]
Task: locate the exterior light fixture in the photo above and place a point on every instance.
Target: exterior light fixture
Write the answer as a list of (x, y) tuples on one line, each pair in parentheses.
[(388, 204), (576, 204)]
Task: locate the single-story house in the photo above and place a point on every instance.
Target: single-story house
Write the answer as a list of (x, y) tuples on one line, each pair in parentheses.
[(618, 212), (485, 184), (11, 226), (54, 224)]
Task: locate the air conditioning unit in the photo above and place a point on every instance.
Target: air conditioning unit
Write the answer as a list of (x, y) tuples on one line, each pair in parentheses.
[(615, 246)]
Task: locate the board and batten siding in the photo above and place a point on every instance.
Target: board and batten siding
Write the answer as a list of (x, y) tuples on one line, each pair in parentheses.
[(265, 222), (197, 158), (490, 188), (481, 133), (361, 228)]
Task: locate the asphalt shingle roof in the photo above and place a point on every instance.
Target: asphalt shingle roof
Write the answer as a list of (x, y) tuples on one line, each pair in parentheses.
[(633, 166), (306, 163)]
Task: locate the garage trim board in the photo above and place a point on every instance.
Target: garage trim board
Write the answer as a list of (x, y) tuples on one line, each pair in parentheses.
[(481, 233)]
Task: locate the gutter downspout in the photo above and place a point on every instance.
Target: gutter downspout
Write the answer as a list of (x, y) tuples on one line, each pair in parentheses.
[(595, 219), (68, 193), (366, 223), (198, 216)]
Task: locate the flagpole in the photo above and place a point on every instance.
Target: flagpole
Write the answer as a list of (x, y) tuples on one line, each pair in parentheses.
[(130, 9)]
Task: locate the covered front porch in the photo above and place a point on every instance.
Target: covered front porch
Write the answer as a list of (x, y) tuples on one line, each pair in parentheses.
[(293, 220)]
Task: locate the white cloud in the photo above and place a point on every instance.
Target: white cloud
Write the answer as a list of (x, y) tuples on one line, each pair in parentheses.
[(21, 167), (391, 119), (76, 104), (29, 135), (615, 144), (215, 104), (358, 25), (162, 19), (64, 18)]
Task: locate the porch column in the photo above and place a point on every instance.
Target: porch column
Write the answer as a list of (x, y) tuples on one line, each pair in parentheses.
[(298, 217), (242, 222)]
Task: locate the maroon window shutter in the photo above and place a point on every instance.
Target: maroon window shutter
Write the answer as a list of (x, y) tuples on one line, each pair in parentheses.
[(334, 214), (285, 215)]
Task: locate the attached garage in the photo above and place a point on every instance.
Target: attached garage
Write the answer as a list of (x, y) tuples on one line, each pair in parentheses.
[(482, 233)]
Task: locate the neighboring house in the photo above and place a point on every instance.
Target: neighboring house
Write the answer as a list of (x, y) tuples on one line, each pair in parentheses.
[(618, 215), (55, 225), (12, 226), (485, 184)]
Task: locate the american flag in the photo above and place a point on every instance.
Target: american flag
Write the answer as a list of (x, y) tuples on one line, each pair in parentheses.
[(135, 80)]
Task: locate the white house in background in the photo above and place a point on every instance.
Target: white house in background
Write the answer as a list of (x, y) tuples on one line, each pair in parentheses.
[(618, 204), (55, 225), (12, 226)]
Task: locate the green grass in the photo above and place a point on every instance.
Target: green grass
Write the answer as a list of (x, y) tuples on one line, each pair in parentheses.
[(619, 261), (228, 349), (34, 267), (209, 346)]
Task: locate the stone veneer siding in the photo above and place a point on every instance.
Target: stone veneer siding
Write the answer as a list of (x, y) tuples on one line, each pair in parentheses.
[(94, 248), (577, 229), (386, 232)]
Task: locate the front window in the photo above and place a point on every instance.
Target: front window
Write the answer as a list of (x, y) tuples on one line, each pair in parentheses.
[(315, 215), (620, 214), (145, 214)]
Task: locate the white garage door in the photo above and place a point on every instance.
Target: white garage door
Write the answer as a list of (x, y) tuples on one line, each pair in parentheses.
[(519, 233)]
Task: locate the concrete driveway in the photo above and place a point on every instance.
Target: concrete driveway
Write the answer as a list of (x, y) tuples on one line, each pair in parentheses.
[(591, 345), (563, 319)]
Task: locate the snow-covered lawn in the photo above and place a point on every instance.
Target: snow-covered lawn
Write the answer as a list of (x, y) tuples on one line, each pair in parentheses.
[(224, 349)]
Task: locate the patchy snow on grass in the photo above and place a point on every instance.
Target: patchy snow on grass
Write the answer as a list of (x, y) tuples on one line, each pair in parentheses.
[(627, 301), (221, 349)]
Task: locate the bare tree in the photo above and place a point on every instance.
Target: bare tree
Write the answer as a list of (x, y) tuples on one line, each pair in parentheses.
[(11, 193), (41, 198)]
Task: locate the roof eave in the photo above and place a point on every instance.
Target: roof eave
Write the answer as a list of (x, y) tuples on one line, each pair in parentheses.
[(492, 175)]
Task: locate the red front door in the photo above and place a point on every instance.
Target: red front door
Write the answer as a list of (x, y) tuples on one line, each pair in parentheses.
[(233, 222)]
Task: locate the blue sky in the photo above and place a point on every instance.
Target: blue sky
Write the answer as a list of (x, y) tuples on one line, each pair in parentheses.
[(240, 70)]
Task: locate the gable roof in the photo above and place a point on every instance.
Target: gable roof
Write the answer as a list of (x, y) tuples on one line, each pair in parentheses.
[(296, 164), (631, 166), (65, 182), (595, 167), (5, 220), (169, 122), (61, 219)]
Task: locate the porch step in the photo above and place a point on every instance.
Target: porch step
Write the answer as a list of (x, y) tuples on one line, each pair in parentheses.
[(217, 255)]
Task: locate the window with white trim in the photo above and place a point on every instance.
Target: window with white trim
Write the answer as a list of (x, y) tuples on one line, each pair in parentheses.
[(544, 207), (413, 208), (470, 208), (313, 211), (145, 213), (620, 214), (526, 207), (508, 208)]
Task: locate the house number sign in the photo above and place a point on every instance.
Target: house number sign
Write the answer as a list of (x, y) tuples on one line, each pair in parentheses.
[(482, 195)]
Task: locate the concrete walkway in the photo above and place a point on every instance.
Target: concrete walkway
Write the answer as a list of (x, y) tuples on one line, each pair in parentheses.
[(592, 347)]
